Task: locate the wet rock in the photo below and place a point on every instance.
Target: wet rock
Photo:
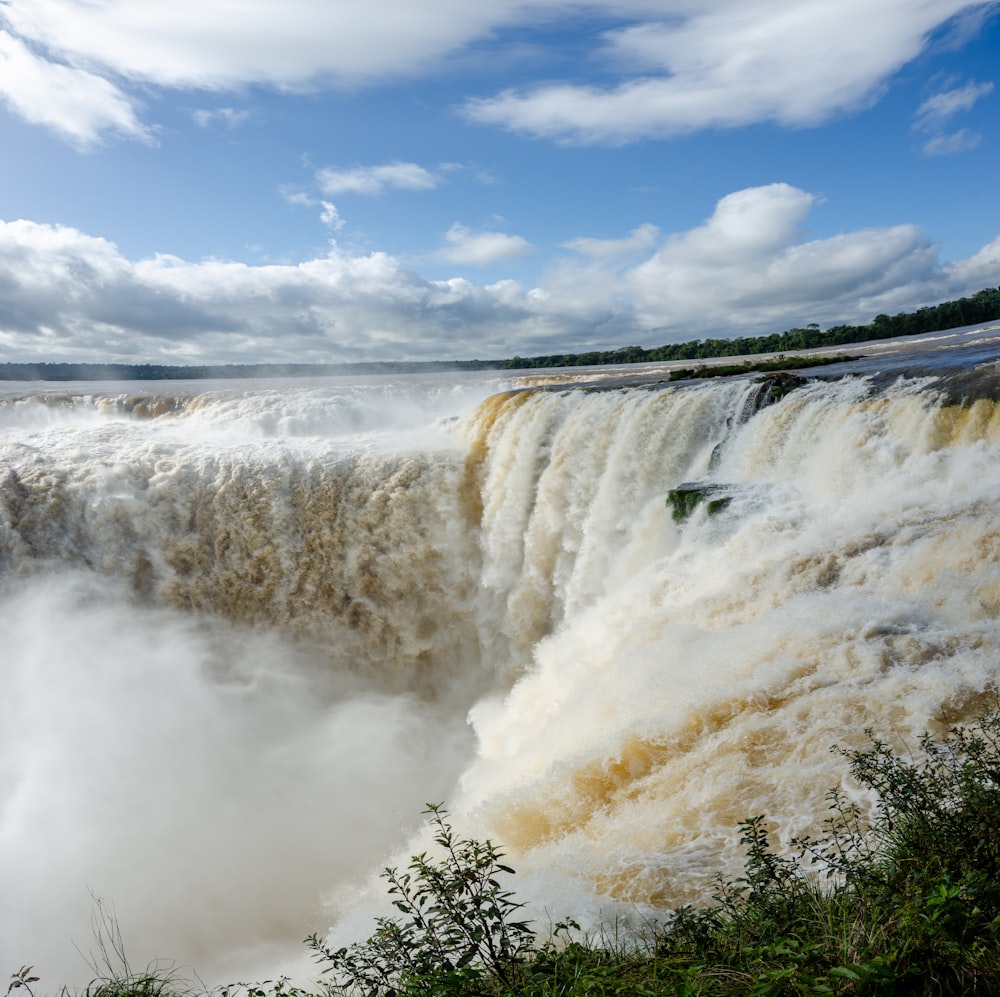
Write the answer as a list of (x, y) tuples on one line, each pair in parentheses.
[(773, 387), (686, 497)]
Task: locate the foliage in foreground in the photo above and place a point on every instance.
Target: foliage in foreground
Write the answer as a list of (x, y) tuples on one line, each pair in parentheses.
[(114, 975), (902, 901), (458, 927)]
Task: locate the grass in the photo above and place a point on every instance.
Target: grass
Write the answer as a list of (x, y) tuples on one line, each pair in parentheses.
[(901, 901)]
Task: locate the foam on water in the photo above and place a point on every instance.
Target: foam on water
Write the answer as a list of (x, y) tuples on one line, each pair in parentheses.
[(246, 636), (693, 675)]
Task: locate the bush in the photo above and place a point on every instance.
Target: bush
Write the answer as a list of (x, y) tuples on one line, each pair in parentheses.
[(907, 900), (458, 926)]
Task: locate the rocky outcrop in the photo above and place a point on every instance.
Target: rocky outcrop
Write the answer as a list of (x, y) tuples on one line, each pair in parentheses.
[(686, 497), (774, 387)]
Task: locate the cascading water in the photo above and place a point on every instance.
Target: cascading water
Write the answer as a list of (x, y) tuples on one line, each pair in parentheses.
[(248, 631), (683, 677)]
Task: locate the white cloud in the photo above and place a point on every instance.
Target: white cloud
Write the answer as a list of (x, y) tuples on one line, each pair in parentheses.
[(637, 241), (724, 64), (212, 44), (467, 248), (296, 196), (979, 270), (746, 226), (225, 45), (228, 117), (68, 296), (935, 113), (937, 110), (331, 216), (329, 213), (949, 143), (78, 104), (74, 65), (372, 180), (749, 268), (477, 173)]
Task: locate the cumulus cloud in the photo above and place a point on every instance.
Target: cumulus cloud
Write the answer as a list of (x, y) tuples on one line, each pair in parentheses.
[(637, 241), (372, 180), (748, 268), (726, 64), (467, 248), (979, 270), (749, 265), (65, 295), (329, 213), (331, 216)]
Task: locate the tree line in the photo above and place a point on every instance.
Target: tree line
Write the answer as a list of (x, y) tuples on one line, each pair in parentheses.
[(983, 306)]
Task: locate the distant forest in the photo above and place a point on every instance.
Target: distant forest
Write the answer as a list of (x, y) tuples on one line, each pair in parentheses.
[(984, 306)]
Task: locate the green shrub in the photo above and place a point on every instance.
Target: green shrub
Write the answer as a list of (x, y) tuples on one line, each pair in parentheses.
[(907, 900), (458, 926)]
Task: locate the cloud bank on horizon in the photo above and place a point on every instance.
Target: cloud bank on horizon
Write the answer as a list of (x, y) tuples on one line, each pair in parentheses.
[(672, 169), (745, 267)]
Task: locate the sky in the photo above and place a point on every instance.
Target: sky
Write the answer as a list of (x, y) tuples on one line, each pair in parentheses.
[(243, 181)]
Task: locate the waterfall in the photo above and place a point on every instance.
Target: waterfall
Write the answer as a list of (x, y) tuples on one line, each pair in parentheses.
[(248, 630)]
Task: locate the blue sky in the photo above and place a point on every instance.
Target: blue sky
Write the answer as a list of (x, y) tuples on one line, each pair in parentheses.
[(245, 181)]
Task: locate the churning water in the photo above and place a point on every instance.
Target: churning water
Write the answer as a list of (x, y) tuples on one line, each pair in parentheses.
[(248, 630)]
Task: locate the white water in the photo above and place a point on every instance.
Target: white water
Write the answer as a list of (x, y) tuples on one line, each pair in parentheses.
[(247, 631)]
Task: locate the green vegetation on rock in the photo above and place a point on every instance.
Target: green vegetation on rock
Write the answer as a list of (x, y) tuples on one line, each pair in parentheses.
[(684, 499), (780, 366)]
